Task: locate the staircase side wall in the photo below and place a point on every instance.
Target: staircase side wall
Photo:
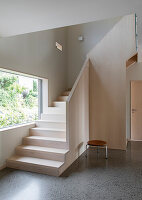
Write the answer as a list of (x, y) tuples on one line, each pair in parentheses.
[(108, 83)]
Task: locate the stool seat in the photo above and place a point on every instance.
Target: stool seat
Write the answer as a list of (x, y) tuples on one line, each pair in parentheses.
[(97, 143)]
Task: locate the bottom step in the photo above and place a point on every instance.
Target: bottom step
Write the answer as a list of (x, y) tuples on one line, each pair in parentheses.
[(43, 166)]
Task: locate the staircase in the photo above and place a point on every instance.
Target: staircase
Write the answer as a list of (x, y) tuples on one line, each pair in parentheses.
[(45, 149)]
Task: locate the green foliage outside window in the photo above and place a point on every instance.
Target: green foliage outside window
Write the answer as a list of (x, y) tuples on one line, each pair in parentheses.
[(35, 88), (18, 104)]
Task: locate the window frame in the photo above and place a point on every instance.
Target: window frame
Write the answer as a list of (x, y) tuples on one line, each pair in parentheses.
[(40, 98)]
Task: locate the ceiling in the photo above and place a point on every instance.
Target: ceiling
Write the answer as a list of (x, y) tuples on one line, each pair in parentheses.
[(25, 16)]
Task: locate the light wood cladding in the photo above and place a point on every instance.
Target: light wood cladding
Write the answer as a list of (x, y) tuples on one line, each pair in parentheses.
[(78, 110), (108, 84)]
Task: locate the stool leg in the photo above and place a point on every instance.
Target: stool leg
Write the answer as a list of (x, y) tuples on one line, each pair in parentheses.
[(86, 150), (97, 152), (106, 153)]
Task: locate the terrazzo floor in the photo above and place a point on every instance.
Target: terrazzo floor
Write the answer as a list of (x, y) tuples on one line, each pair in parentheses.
[(94, 178)]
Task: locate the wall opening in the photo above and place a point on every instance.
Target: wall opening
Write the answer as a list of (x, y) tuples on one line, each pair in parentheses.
[(20, 99)]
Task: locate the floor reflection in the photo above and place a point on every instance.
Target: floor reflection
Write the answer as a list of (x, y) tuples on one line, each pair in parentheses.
[(94, 178), (30, 192)]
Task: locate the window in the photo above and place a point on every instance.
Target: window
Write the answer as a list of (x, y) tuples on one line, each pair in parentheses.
[(19, 99)]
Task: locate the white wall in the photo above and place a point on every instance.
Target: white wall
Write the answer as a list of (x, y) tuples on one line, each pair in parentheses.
[(92, 32), (108, 83), (18, 17), (133, 73), (10, 138), (35, 54)]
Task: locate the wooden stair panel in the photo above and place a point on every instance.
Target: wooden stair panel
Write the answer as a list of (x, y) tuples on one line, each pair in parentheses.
[(51, 124), (45, 142), (45, 149), (54, 117), (62, 98), (60, 104), (55, 110), (48, 132), (42, 152), (49, 167), (66, 93)]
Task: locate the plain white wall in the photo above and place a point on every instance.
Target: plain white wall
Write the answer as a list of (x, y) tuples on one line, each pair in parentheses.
[(92, 32), (36, 54), (133, 72), (10, 138), (18, 17)]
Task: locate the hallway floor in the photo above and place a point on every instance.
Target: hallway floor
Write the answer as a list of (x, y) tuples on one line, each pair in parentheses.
[(118, 178)]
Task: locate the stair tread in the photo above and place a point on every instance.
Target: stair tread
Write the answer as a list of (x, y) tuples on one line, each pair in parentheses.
[(67, 91), (51, 121), (63, 95), (48, 129), (45, 149), (36, 161), (47, 138), (55, 108), (62, 114), (64, 102)]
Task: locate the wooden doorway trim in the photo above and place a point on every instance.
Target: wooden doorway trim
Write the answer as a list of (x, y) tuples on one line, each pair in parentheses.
[(132, 60), (136, 110)]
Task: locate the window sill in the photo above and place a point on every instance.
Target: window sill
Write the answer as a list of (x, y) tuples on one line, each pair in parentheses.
[(17, 126)]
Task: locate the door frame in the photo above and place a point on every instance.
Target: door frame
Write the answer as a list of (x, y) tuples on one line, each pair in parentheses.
[(131, 109)]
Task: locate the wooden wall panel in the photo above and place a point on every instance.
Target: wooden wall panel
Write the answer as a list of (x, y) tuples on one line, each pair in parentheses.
[(108, 83), (78, 115)]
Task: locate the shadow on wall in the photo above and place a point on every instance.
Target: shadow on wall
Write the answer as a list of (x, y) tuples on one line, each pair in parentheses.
[(36, 54), (93, 33)]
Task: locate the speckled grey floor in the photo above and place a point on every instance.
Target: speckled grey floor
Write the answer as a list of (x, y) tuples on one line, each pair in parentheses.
[(118, 178)]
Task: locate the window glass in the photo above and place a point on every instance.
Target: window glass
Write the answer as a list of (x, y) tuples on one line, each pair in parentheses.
[(18, 99)]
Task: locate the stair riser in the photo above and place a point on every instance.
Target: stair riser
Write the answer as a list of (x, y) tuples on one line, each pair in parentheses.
[(56, 134), (61, 105), (54, 110), (33, 168), (45, 143), (62, 98), (41, 154), (66, 93), (56, 125), (56, 117)]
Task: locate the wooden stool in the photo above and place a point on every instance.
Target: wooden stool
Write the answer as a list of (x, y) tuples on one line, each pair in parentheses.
[(97, 143)]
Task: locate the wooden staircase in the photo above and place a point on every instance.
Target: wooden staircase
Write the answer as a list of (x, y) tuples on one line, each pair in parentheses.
[(45, 149)]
